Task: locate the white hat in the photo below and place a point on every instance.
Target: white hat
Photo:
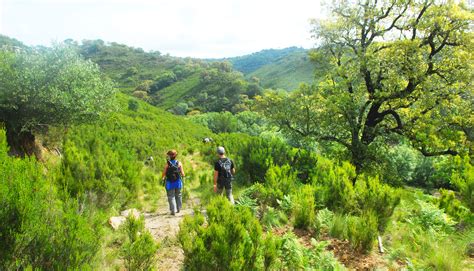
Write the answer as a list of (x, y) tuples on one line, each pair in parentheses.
[(220, 150)]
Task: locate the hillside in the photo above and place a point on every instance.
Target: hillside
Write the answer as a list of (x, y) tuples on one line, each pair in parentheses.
[(276, 68), (286, 72), (177, 84)]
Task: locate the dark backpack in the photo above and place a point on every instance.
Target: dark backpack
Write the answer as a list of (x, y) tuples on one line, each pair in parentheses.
[(172, 173), (225, 169)]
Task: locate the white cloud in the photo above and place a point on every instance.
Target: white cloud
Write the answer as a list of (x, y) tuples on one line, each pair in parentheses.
[(205, 28)]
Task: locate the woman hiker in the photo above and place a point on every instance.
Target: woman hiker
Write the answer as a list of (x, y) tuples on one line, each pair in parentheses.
[(173, 175)]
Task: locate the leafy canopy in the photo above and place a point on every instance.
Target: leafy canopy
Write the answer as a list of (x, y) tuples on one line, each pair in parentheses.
[(397, 69), (50, 86)]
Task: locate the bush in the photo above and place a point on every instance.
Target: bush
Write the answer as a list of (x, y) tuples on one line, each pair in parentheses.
[(362, 231), (230, 240), (377, 198), (295, 256), (260, 154), (133, 105), (338, 226), (463, 179), (304, 210), (451, 205), (273, 218), (38, 229), (139, 250)]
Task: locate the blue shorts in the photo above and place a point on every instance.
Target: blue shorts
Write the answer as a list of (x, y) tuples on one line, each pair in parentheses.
[(178, 184)]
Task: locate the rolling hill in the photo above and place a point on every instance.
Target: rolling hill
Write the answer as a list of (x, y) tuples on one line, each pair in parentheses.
[(276, 68)]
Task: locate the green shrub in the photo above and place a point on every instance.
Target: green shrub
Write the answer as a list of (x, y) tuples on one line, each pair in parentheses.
[(230, 240), (139, 250), (273, 218), (38, 229), (133, 105), (463, 179), (295, 256), (362, 231), (378, 198), (338, 226), (429, 217), (304, 209), (286, 204), (451, 205), (246, 201), (271, 245), (324, 220)]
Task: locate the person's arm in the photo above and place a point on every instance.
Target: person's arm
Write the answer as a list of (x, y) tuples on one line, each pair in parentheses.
[(181, 169), (233, 168), (216, 175), (163, 175)]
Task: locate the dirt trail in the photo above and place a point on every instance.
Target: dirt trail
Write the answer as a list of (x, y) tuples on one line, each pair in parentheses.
[(164, 227)]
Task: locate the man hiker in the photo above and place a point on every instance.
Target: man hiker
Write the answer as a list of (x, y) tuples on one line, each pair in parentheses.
[(173, 175), (224, 170)]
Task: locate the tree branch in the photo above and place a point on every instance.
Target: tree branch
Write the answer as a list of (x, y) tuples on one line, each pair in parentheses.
[(437, 153), (335, 139)]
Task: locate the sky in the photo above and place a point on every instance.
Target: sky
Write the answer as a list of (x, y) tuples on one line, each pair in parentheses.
[(196, 28)]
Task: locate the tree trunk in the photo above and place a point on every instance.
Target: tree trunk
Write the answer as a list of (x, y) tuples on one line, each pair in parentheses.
[(358, 155), (21, 143)]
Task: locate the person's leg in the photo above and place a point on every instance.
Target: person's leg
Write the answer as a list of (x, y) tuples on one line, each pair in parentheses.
[(228, 192), (171, 200), (179, 199), (220, 188)]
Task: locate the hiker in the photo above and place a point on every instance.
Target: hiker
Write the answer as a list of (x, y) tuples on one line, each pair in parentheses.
[(224, 170), (173, 175)]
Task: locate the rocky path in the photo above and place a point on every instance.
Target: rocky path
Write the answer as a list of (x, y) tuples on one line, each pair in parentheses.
[(164, 228)]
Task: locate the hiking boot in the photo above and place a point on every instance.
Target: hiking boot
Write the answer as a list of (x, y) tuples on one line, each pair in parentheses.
[(173, 213)]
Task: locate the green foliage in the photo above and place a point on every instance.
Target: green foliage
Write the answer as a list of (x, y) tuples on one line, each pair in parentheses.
[(230, 240), (286, 204), (163, 80), (422, 237), (246, 201), (277, 68), (102, 163), (335, 189), (428, 217), (225, 122), (273, 218), (287, 72), (362, 231), (260, 154), (139, 250), (133, 105), (78, 90), (294, 256), (377, 198), (304, 208), (38, 229), (378, 89), (452, 206), (463, 179)]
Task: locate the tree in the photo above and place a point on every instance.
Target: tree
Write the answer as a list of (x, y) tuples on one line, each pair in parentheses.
[(40, 87), (163, 80), (398, 69)]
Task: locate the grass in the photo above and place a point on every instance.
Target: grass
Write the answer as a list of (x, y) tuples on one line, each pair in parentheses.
[(422, 243), (286, 73), (175, 93)]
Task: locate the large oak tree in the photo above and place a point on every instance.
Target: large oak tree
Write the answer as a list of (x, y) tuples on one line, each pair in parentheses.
[(40, 87), (399, 69)]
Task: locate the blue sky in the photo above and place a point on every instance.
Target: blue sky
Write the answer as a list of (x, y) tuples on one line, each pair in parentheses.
[(199, 28)]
